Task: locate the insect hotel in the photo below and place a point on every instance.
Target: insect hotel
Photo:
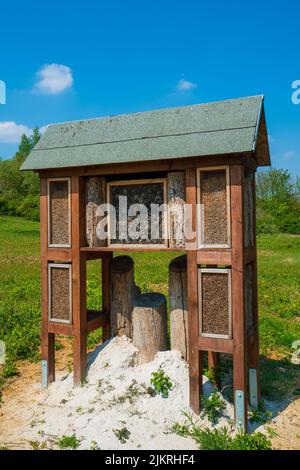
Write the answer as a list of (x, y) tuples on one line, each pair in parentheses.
[(190, 172)]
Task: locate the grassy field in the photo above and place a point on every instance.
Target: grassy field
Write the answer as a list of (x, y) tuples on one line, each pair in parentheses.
[(279, 297)]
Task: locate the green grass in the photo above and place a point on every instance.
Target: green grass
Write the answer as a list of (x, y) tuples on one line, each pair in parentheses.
[(279, 296)]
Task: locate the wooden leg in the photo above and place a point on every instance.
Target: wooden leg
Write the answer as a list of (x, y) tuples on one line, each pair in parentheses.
[(195, 356), (48, 358), (240, 373), (79, 358), (214, 365), (253, 348), (106, 294)]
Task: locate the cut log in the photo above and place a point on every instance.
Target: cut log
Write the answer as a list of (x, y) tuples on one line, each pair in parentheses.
[(176, 200), (95, 196), (178, 305), (122, 294), (149, 325)]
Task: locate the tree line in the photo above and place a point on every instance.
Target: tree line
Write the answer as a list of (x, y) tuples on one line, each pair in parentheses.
[(278, 192)]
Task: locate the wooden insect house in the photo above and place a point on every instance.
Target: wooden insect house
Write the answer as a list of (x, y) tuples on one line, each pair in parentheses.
[(196, 164)]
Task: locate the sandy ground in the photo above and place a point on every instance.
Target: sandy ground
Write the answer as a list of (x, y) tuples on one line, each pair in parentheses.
[(115, 396)]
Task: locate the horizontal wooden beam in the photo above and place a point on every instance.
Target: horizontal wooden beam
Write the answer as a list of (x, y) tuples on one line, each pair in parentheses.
[(60, 328), (59, 254), (221, 257), (154, 166), (96, 319), (128, 248), (215, 344)]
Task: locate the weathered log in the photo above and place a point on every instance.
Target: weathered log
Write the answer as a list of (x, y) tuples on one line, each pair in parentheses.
[(95, 196), (176, 200), (149, 325), (178, 305), (122, 294)]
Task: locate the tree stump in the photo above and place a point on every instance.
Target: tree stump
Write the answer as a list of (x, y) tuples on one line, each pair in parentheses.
[(178, 306), (122, 294), (149, 325)]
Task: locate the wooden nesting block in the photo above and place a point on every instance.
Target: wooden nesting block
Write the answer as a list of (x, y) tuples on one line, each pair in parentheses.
[(122, 294), (176, 201), (59, 225), (214, 290), (249, 297), (60, 295), (149, 325), (249, 208), (214, 212), (178, 305), (95, 190)]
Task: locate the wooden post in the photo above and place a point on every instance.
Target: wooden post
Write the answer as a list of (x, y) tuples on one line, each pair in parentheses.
[(195, 356), (105, 293), (78, 280), (253, 348), (178, 306), (48, 339), (238, 301)]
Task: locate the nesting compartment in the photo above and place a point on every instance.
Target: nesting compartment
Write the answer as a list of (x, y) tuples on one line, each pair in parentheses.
[(213, 199), (214, 291), (59, 212), (60, 292), (138, 192)]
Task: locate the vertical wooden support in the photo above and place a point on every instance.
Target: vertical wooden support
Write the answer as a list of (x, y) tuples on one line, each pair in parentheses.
[(240, 377), (78, 280), (48, 339), (214, 364), (106, 293), (253, 348), (195, 356)]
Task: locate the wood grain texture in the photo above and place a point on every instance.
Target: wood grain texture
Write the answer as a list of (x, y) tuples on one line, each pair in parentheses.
[(195, 356), (179, 333), (106, 260), (240, 371), (95, 189), (176, 201)]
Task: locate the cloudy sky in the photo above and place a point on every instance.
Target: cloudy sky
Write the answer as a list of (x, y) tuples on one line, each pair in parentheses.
[(65, 61)]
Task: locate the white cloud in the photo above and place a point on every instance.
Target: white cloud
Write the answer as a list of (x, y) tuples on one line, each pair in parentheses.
[(54, 78), (11, 132), (184, 85)]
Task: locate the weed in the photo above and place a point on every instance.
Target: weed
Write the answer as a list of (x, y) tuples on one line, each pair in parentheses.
[(94, 446), (261, 415), (213, 407), (161, 383), (68, 442), (122, 434)]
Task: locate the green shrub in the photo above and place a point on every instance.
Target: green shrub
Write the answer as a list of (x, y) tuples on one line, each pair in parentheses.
[(213, 407), (68, 442), (161, 383)]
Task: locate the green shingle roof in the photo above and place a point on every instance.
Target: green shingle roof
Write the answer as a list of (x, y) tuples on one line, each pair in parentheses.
[(223, 127)]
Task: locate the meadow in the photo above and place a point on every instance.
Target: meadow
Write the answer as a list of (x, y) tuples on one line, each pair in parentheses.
[(279, 299)]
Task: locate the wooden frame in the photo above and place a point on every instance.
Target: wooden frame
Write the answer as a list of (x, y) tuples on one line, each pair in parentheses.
[(59, 245), (59, 266), (144, 181), (214, 271), (200, 212)]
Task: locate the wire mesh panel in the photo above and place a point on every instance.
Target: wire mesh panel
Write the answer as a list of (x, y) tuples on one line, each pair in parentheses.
[(249, 208), (60, 303), (214, 209), (214, 290), (59, 216)]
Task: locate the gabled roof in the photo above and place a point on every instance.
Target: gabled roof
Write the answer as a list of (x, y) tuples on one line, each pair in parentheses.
[(219, 128)]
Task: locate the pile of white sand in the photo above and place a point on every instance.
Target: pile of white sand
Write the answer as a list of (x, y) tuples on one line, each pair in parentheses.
[(115, 396)]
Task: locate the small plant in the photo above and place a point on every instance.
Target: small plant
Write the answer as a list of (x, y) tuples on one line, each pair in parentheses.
[(261, 415), (69, 442), (122, 434), (213, 407), (94, 446), (161, 383)]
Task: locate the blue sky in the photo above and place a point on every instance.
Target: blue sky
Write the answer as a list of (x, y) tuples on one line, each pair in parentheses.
[(65, 61)]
